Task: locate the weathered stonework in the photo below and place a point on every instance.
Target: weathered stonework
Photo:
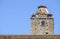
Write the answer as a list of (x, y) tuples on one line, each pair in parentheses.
[(42, 15), (29, 36)]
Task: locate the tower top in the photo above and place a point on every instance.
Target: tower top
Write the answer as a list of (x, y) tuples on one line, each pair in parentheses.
[(42, 6), (42, 9)]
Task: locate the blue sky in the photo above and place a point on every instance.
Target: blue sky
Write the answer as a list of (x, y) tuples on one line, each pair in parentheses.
[(15, 15)]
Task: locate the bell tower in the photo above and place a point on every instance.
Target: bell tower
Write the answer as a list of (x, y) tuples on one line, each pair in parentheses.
[(42, 22)]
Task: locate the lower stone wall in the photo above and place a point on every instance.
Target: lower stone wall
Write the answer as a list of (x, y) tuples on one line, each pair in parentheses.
[(29, 36)]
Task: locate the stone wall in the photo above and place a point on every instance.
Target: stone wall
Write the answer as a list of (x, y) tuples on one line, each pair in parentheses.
[(29, 36)]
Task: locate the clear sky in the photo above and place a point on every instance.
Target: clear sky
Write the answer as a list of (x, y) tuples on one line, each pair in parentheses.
[(15, 15)]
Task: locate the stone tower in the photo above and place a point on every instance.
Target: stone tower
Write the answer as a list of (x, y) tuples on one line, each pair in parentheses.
[(42, 22)]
